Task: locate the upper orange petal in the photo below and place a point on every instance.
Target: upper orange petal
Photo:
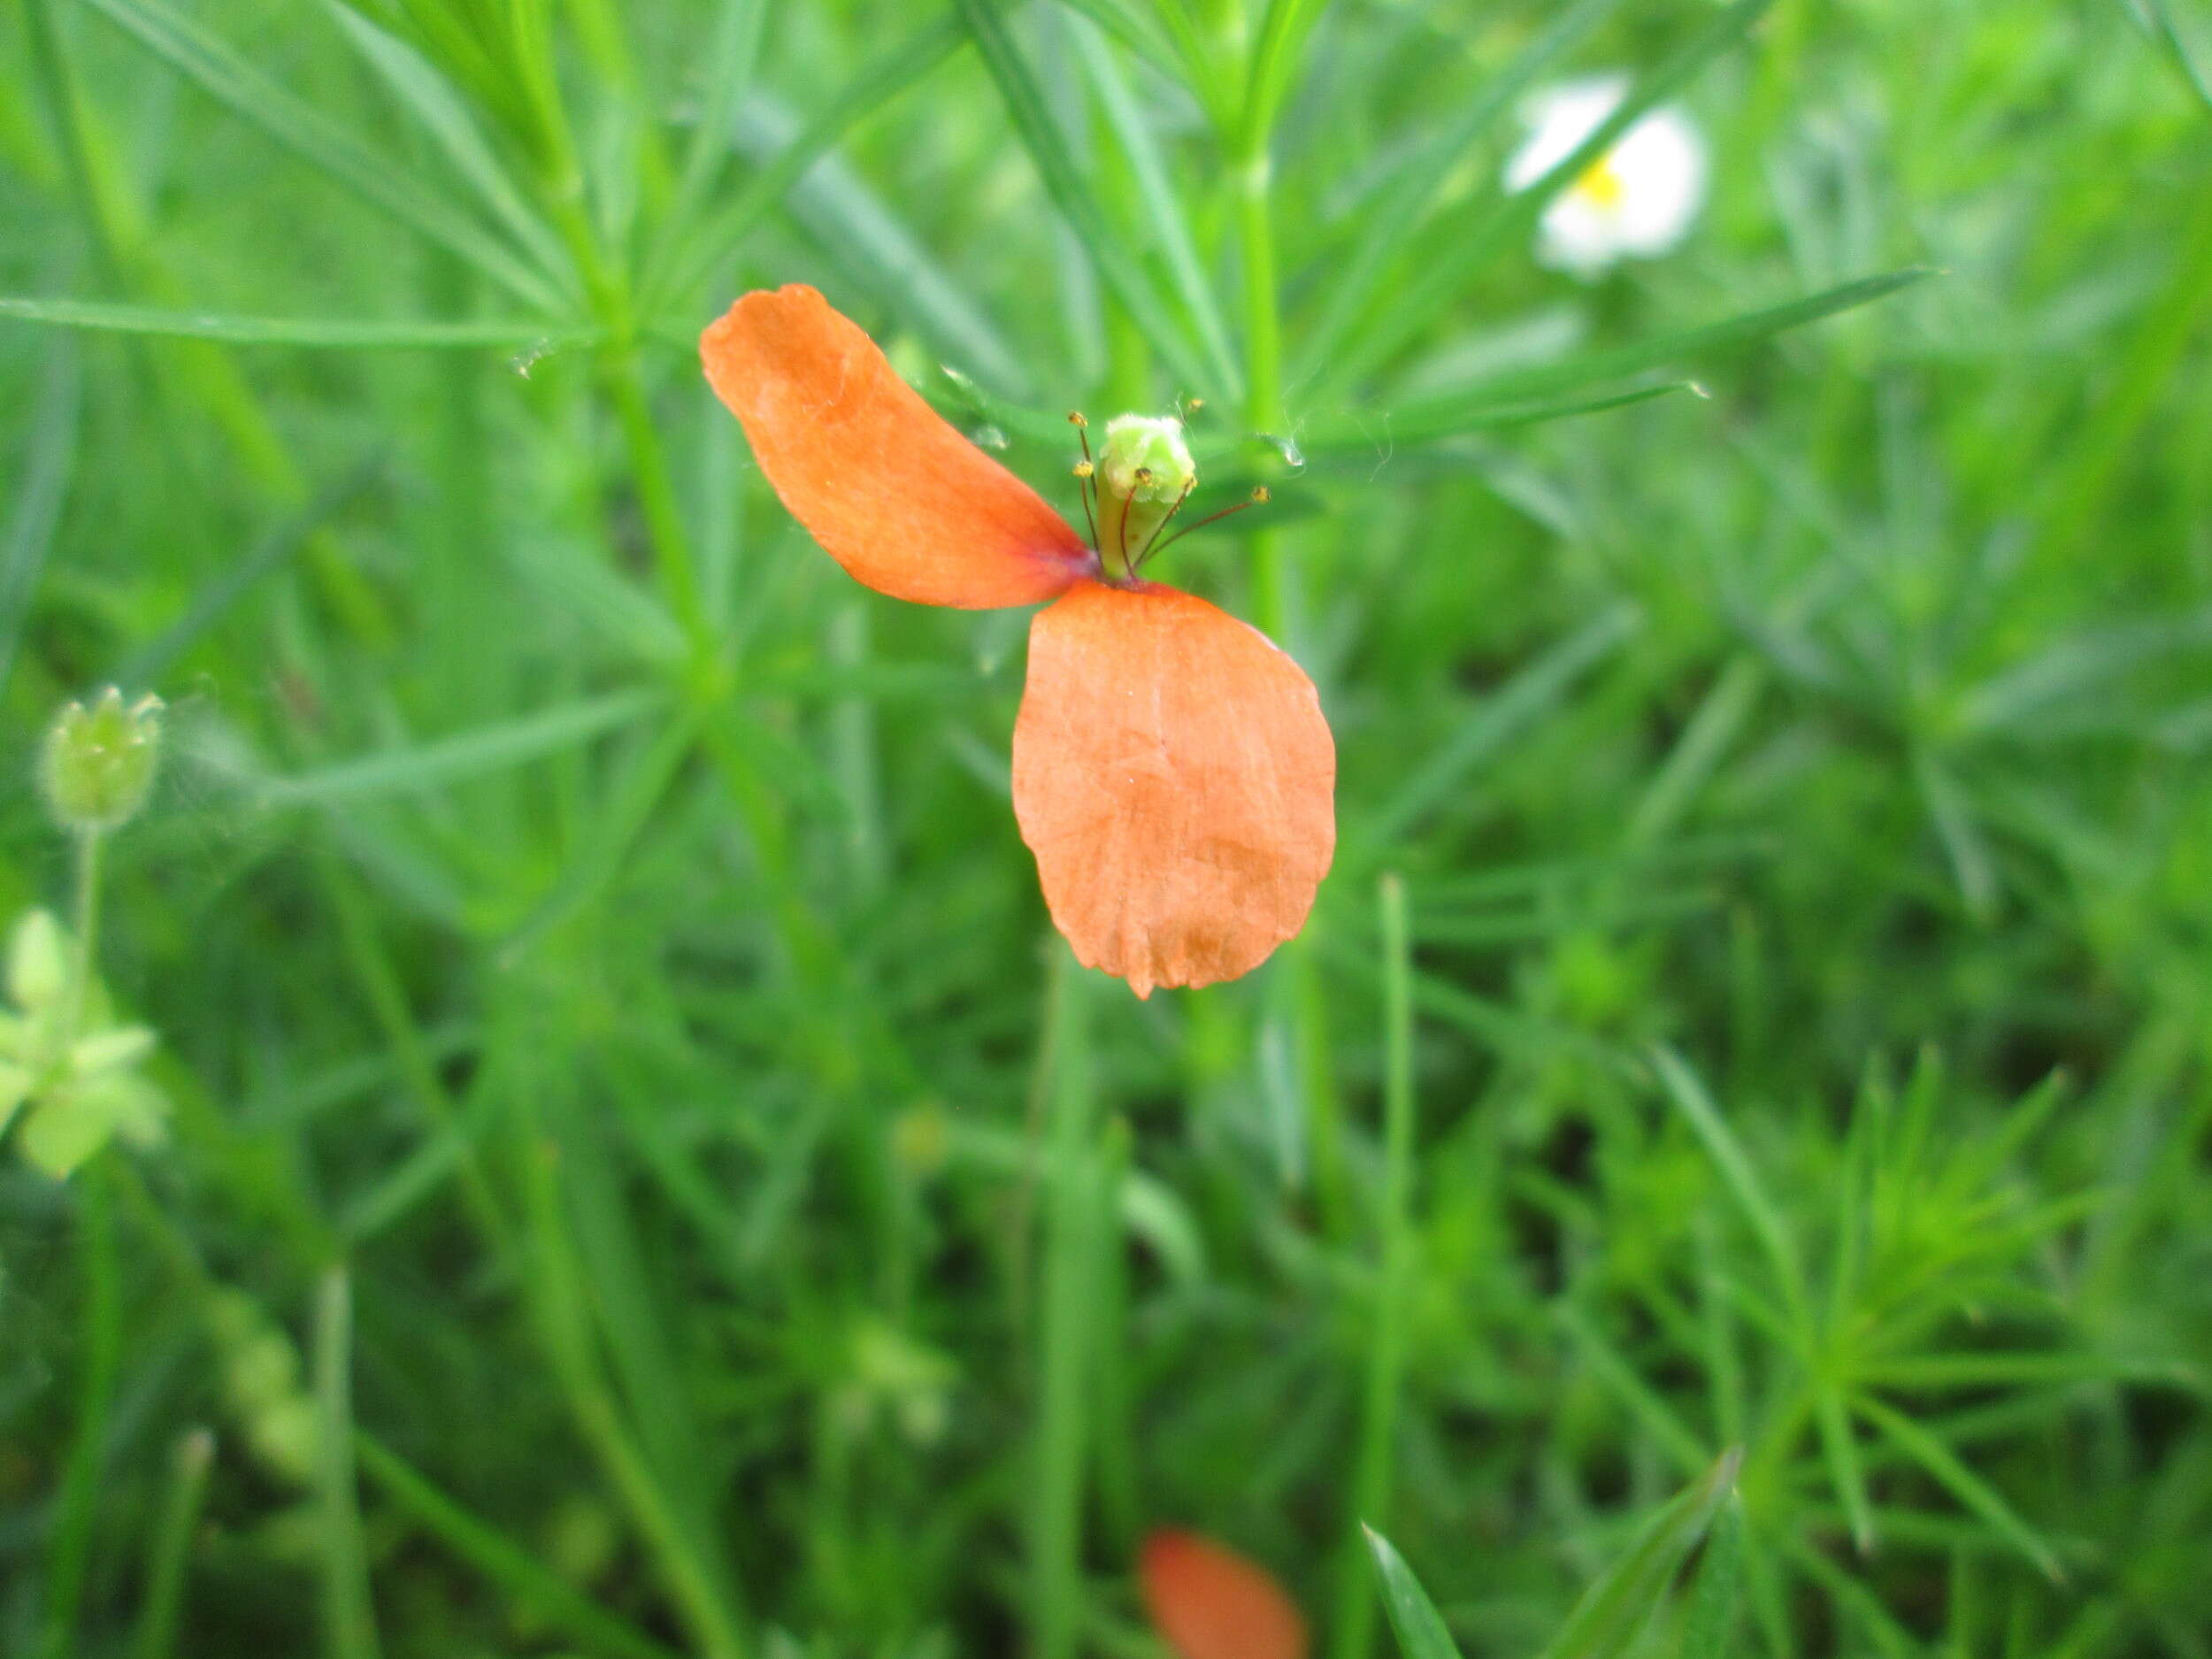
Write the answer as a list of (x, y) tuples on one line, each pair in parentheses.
[(1174, 776), (1212, 1603), (886, 484)]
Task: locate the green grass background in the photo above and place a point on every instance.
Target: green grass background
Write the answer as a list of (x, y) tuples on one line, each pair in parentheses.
[(644, 1176)]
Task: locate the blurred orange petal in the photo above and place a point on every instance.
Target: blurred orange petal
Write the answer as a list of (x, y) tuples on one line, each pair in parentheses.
[(1212, 1603), (1175, 780), (897, 497)]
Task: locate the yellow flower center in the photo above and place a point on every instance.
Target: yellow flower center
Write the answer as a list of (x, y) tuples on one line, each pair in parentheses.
[(1602, 186)]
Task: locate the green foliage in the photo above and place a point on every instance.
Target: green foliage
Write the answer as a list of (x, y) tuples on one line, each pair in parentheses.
[(641, 1177)]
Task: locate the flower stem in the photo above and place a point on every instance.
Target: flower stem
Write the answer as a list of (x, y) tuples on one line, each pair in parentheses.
[(86, 922), (102, 1348), (1064, 1367), (1353, 1637)]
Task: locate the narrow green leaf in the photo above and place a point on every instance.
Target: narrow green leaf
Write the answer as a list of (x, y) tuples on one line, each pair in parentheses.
[(145, 667), (446, 117), (1613, 1370), (228, 78), (1842, 1450), (1445, 278), (1168, 221), (881, 254), (1515, 707), (1688, 1094), (348, 1617), (1426, 423), (1284, 31), (2188, 59), (1731, 334), (466, 755), (173, 1535), (729, 70), (1420, 1627), (718, 241), (1070, 193), (1709, 1630), (39, 491), (514, 1570), (1134, 30), (1614, 1612), (1944, 1466), (1384, 231), (337, 333)]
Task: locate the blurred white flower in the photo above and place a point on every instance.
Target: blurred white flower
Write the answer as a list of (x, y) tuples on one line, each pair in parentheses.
[(1635, 200)]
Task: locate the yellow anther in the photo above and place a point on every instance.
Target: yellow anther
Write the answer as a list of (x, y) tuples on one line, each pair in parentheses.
[(1083, 468), (1603, 184), (1075, 418), (1259, 492)]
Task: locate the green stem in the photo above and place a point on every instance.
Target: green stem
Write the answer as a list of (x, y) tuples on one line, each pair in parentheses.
[(656, 497), (86, 922), (103, 1345), (1353, 1637), (560, 1301), (1056, 1521), (157, 1636), (348, 1615)]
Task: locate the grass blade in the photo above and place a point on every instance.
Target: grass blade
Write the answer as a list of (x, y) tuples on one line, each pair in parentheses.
[(228, 78), (446, 117), (716, 242), (343, 333), (173, 1535), (39, 495), (879, 252), (1386, 229), (1499, 718), (2157, 17), (145, 666), (730, 69), (1731, 334), (466, 755), (1169, 221), (1511, 220), (1616, 1608), (1071, 193), (514, 1569), (1429, 423), (1688, 1094), (349, 1619), (1944, 1467), (1420, 1627), (1712, 1622)]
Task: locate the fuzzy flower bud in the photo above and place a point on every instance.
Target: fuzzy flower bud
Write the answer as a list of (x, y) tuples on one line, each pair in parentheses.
[(1144, 472), (97, 765)]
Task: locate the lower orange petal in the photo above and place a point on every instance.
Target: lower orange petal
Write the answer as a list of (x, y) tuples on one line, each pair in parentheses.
[(1212, 1603), (1175, 780), (885, 483)]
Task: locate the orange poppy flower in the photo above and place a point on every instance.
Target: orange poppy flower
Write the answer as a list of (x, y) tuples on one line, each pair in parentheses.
[(1212, 1603), (1172, 771)]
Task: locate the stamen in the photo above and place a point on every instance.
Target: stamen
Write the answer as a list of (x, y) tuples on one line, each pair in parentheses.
[(1258, 498), (1083, 471), (1145, 552), (1084, 486)]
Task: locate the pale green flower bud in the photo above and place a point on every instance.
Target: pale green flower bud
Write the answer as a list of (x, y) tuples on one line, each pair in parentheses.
[(1144, 472), (97, 766), (38, 962)]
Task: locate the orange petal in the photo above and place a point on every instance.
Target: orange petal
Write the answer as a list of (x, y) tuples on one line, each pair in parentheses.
[(1212, 1603), (887, 485), (1174, 776)]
